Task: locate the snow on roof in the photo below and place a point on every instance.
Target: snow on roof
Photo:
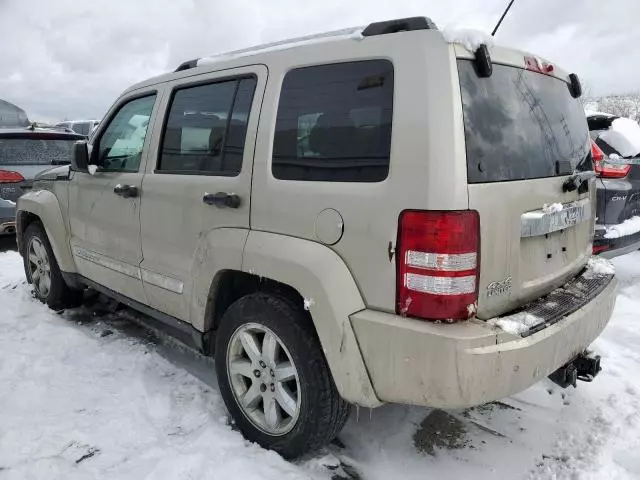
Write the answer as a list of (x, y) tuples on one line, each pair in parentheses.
[(624, 136), (345, 33), (471, 39)]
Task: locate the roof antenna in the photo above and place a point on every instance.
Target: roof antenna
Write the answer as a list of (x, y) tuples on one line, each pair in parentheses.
[(493, 34)]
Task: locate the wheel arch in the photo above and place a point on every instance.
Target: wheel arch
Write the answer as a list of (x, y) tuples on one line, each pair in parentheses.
[(316, 277), (42, 205)]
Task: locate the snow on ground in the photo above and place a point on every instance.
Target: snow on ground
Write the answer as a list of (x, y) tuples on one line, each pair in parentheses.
[(87, 395)]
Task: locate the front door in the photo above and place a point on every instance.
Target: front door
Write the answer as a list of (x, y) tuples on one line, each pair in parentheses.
[(104, 207), (197, 190)]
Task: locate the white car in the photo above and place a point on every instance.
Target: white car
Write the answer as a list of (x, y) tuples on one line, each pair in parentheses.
[(83, 127)]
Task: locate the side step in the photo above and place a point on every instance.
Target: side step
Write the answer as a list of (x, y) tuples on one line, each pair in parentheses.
[(585, 367)]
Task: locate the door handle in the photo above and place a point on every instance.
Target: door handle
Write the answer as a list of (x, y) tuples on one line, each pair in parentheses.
[(222, 200), (126, 191)]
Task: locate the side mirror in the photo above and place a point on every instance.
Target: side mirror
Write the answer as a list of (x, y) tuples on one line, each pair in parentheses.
[(80, 157)]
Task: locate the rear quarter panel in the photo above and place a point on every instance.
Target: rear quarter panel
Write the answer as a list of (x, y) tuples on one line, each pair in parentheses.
[(427, 167)]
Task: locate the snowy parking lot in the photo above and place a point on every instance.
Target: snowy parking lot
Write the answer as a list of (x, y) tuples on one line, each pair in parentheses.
[(90, 394)]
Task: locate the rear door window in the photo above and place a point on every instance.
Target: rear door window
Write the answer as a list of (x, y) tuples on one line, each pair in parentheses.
[(334, 123), (520, 125), (206, 128)]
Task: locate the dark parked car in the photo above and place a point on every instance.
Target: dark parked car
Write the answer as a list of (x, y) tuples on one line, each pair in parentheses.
[(25, 152), (615, 148)]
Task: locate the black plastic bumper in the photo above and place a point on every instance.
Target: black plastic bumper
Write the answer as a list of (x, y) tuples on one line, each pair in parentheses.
[(614, 247)]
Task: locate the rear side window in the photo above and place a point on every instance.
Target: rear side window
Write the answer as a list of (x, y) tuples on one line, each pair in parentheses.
[(521, 125), (334, 123), (206, 128)]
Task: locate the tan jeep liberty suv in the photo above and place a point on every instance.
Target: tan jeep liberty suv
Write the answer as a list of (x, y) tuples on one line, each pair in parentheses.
[(351, 218)]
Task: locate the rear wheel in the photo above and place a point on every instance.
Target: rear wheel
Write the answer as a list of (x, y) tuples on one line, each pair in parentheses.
[(43, 272), (274, 378)]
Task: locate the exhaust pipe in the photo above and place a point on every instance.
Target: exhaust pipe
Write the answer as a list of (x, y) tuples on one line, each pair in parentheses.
[(585, 367)]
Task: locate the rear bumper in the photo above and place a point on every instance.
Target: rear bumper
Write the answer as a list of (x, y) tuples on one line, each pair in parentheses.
[(614, 247), (469, 363), (7, 218), (7, 228)]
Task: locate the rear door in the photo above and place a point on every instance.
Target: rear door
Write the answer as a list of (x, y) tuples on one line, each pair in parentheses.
[(197, 190), (525, 136)]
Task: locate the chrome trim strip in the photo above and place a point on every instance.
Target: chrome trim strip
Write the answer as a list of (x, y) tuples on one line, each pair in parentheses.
[(537, 222), (110, 263), (153, 278), (162, 281)]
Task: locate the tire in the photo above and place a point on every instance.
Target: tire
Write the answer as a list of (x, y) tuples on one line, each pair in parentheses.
[(58, 295), (320, 411)]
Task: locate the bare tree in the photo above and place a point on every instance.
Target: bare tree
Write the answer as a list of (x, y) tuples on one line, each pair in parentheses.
[(623, 106)]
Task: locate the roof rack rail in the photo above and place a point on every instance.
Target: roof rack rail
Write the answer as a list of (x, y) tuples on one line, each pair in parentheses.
[(187, 65), (399, 25), (376, 28)]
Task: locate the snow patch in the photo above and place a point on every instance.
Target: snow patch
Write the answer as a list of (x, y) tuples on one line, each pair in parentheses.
[(76, 405), (624, 136), (598, 267), (93, 169), (629, 227), (552, 207), (308, 302), (517, 324), (471, 39)]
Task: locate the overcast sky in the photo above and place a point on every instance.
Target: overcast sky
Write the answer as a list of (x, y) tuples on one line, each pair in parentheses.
[(70, 59)]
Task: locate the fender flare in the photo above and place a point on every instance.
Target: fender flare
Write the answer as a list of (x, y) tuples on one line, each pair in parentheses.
[(331, 295), (44, 204)]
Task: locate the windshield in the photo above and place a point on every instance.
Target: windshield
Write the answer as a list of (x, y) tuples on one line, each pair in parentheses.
[(521, 125), (30, 151)]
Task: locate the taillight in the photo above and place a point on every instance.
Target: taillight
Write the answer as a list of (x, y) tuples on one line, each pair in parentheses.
[(605, 169), (600, 248), (438, 264), (7, 176)]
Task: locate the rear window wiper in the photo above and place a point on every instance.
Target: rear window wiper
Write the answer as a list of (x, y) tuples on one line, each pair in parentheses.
[(578, 181)]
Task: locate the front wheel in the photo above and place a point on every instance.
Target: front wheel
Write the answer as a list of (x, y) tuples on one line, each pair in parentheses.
[(43, 272), (274, 378)]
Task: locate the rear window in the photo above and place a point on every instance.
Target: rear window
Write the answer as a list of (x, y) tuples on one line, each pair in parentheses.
[(521, 125), (83, 128), (29, 151)]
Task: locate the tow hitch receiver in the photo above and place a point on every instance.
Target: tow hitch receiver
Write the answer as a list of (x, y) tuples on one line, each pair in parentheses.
[(584, 367)]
